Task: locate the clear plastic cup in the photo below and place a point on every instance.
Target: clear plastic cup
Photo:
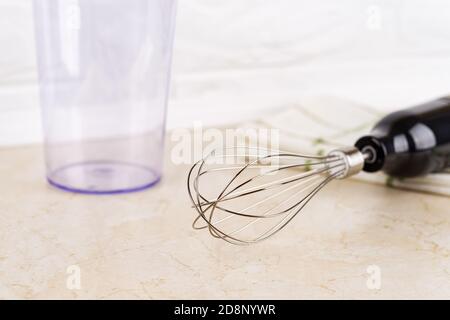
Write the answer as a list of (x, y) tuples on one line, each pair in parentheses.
[(104, 72)]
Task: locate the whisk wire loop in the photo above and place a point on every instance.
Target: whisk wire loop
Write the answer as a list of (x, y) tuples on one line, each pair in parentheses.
[(248, 206)]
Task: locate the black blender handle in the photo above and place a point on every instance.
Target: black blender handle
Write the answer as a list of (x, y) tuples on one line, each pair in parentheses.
[(410, 142)]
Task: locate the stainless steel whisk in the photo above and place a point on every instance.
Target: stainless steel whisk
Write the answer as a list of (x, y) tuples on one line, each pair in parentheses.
[(247, 195)]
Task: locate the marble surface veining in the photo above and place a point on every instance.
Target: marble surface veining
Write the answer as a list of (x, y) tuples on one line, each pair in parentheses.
[(142, 246)]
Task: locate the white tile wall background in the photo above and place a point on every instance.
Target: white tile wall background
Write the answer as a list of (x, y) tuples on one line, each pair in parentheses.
[(235, 58)]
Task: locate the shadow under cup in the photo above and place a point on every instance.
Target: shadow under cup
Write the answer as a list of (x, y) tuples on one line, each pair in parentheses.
[(104, 72)]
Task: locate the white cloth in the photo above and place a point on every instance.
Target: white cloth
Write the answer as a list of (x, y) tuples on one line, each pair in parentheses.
[(322, 124)]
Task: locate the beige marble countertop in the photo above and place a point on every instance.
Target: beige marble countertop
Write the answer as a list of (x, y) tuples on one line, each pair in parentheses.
[(142, 246)]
